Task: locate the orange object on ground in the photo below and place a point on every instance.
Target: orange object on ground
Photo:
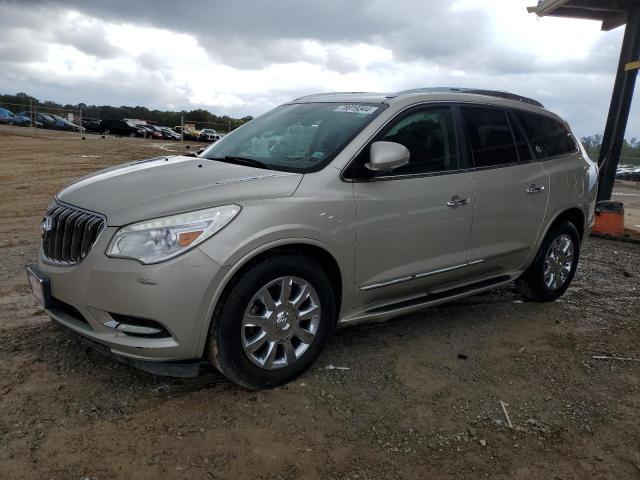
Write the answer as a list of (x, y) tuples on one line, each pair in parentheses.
[(609, 219)]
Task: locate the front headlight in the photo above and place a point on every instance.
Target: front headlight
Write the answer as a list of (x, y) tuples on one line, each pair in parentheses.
[(163, 238)]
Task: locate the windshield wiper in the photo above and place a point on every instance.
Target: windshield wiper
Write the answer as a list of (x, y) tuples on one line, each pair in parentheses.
[(251, 162)]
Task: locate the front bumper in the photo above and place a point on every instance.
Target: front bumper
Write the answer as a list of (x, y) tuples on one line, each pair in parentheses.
[(177, 294)]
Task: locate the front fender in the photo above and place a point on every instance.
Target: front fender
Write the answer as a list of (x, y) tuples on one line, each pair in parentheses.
[(329, 225)]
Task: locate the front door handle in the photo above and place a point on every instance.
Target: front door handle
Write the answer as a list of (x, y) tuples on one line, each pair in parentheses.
[(535, 189), (457, 202)]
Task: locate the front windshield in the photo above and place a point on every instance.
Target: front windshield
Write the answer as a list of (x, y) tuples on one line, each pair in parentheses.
[(297, 137)]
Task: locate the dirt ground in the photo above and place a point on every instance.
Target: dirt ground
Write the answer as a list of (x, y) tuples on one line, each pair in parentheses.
[(629, 194), (420, 397)]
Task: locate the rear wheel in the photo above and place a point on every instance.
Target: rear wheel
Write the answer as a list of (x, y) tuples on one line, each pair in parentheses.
[(555, 265), (273, 323)]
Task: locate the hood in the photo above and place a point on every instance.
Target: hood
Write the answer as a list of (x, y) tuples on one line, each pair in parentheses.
[(168, 185)]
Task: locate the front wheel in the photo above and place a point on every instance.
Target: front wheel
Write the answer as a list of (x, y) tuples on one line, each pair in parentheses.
[(273, 323), (554, 267)]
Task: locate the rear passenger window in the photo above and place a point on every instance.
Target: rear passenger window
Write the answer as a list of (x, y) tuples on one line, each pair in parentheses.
[(548, 137), (489, 136)]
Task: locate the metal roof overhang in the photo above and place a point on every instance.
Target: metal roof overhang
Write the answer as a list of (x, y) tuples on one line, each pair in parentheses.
[(612, 13)]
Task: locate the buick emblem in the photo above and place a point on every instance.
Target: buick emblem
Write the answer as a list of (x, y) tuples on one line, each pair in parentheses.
[(46, 225)]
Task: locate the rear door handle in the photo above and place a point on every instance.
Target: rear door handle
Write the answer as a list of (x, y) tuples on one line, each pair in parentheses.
[(457, 202), (535, 189)]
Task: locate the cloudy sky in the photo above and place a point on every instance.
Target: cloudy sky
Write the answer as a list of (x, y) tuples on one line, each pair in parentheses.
[(241, 57)]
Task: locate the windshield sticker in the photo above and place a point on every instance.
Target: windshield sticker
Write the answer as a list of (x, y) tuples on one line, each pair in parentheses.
[(365, 109)]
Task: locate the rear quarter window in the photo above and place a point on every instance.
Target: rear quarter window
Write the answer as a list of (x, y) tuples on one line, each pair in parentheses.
[(548, 137)]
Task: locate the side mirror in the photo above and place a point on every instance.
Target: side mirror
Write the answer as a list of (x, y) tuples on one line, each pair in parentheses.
[(386, 156)]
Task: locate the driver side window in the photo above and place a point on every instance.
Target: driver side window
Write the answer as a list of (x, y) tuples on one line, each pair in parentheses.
[(428, 134)]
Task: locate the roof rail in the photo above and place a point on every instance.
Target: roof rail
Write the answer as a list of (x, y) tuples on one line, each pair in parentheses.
[(325, 94), (475, 91)]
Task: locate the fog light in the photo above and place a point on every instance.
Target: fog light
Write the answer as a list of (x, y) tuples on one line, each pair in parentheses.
[(137, 330), (136, 326)]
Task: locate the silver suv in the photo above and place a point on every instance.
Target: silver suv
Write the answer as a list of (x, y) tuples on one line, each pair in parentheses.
[(331, 210)]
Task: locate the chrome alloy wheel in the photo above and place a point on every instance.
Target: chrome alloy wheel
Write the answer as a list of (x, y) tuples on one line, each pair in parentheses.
[(558, 262), (280, 322)]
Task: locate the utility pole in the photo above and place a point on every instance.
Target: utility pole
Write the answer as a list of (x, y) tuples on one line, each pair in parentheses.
[(33, 120), (80, 123), (182, 128)]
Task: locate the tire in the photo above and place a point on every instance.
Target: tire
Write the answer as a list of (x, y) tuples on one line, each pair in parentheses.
[(288, 344), (549, 276)]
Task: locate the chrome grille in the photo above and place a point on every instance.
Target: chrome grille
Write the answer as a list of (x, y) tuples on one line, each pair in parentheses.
[(68, 233)]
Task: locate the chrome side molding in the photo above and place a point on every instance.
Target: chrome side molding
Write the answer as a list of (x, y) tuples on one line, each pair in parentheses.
[(440, 270), (412, 277)]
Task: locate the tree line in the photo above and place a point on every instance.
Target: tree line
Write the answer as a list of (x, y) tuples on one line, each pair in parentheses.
[(630, 149), (168, 118)]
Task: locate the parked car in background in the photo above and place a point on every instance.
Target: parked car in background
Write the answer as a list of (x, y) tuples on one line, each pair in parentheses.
[(5, 114), (628, 172), (9, 118), (208, 135), (120, 127), (621, 171), (158, 132), (189, 134), (64, 124), (91, 124), (45, 120), (169, 134), (22, 121), (150, 131), (330, 210), (634, 175)]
